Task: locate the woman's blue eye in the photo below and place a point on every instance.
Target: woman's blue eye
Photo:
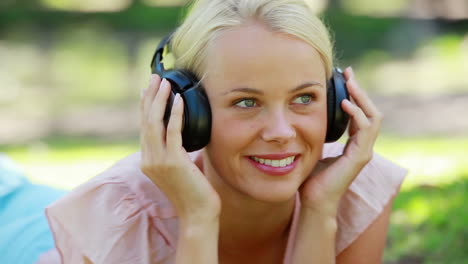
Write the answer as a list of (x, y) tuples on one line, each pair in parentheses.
[(245, 103), (303, 99)]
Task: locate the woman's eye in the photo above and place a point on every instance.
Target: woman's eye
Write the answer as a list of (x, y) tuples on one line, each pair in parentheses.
[(303, 99), (246, 103)]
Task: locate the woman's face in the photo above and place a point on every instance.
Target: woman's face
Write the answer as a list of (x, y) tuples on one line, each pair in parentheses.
[(267, 92)]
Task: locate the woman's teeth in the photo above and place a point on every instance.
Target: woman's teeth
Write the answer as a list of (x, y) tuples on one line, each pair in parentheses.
[(275, 163)]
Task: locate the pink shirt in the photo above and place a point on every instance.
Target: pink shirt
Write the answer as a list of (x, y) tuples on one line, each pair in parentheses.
[(120, 216)]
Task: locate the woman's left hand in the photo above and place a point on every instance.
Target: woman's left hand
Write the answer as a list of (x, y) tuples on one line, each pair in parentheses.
[(322, 191)]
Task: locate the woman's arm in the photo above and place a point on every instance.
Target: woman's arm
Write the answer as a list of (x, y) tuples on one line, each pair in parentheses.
[(166, 163), (315, 240), (368, 248), (321, 193), (198, 241)]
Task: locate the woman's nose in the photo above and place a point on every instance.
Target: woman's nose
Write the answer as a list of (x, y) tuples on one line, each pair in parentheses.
[(278, 128)]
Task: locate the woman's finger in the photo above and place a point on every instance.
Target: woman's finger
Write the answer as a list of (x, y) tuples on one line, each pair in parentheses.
[(174, 127), (360, 96), (363, 132), (158, 106), (153, 130), (147, 139), (148, 96), (357, 115)]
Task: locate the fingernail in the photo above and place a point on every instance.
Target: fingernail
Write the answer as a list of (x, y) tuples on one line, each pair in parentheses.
[(142, 92), (176, 98), (163, 83)]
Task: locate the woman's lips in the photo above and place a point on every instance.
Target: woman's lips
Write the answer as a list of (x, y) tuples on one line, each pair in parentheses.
[(271, 164)]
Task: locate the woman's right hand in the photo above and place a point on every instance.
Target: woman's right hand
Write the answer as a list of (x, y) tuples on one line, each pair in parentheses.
[(165, 161)]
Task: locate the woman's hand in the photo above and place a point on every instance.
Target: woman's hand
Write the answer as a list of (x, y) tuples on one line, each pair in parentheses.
[(166, 162), (322, 191)]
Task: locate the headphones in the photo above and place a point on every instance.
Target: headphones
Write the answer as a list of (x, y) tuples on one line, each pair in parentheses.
[(196, 129)]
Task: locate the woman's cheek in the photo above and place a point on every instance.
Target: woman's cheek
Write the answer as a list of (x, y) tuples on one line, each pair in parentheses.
[(313, 127), (228, 129)]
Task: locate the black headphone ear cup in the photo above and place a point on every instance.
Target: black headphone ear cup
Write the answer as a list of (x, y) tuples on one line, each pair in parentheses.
[(196, 127), (167, 111), (196, 131), (337, 118), (330, 110), (179, 82)]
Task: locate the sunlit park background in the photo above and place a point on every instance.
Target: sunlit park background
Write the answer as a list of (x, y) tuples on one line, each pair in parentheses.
[(71, 72)]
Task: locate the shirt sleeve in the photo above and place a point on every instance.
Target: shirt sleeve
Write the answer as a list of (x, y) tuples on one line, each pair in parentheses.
[(368, 194), (117, 217)]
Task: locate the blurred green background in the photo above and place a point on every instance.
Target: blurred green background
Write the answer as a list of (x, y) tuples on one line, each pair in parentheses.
[(71, 72)]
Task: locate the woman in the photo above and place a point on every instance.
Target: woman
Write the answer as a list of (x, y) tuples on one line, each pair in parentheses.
[(266, 189)]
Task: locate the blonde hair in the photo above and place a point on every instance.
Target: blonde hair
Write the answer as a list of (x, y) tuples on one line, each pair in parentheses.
[(207, 18)]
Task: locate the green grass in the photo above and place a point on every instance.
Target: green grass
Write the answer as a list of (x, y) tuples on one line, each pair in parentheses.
[(62, 149), (67, 162), (430, 161), (429, 221), (429, 225)]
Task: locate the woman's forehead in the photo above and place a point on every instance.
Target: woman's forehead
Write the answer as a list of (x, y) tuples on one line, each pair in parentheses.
[(253, 51), (254, 40)]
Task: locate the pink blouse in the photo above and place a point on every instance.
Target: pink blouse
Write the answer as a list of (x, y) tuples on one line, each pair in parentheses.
[(120, 216)]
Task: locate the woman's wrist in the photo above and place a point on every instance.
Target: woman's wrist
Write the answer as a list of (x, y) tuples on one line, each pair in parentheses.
[(200, 215), (315, 242), (198, 229), (325, 218), (198, 240), (322, 209), (199, 221)]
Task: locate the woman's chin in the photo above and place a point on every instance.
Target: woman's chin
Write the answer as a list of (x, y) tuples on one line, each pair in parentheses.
[(273, 193)]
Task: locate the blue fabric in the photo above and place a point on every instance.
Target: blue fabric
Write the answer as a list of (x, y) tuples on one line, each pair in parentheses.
[(11, 176), (24, 231)]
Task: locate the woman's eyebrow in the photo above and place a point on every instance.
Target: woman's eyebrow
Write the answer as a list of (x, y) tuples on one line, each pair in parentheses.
[(305, 85), (245, 90), (260, 92)]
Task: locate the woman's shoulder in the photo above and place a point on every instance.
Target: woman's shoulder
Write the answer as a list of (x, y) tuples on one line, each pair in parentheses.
[(125, 181), (126, 174), (94, 220), (377, 183)]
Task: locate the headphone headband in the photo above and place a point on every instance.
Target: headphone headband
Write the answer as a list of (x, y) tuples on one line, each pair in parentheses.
[(197, 112), (196, 127), (158, 54)]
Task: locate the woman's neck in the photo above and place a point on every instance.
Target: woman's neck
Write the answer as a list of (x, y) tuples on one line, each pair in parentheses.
[(253, 225), (247, 224)]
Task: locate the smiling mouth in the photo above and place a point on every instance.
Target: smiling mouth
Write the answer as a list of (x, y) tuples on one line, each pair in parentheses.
[(277, 163)]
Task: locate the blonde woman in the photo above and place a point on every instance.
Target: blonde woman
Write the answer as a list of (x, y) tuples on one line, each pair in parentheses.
[(266, 188)]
